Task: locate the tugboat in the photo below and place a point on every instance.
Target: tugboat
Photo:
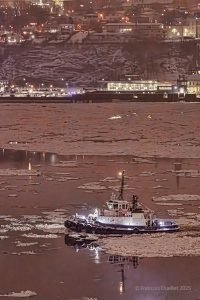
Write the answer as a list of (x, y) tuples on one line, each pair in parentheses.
[(120, 217)]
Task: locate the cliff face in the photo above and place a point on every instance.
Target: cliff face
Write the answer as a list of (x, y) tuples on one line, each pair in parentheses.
[(88, 64)]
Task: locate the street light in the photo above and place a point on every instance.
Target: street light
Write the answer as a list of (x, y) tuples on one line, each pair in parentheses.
[(197, 27)]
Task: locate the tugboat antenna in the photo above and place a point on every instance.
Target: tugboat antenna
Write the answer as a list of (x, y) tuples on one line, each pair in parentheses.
[(121, 191)]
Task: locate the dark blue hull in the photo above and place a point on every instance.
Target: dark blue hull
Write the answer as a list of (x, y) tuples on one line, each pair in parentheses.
[(97, 228)]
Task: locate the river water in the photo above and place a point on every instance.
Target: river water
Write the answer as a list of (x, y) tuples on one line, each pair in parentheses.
[(34, 255)]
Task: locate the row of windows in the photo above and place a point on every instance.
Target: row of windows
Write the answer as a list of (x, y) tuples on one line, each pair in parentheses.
[(194, 83), (132, 86)]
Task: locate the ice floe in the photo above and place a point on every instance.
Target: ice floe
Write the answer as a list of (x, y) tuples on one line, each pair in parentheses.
[(92, 186), (161, 179), (3, 230), (63, 179), (24, 253), (21, 244), (17, 227), (5, 216), (3, 237), (146, 173), (21, 172), (178, 197), (175, 212), (115, 117), (116, 187), (154, 245), (22, 294), (158, 187), (66, 164), (110, 179), (52, 228), (168, 204), (31, 218), (55, 217), (62, 173), (187, 223), (40, 236), (187, 173)]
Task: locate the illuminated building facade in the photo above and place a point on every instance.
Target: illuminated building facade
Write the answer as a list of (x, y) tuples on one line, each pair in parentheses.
[(141, 86), (3, 85), (138, 86), (58, 2), (193, 83), (190, 27), (42, 2)]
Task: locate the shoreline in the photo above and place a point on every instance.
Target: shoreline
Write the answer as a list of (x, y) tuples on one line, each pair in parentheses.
[(105, 152), (103, 97)]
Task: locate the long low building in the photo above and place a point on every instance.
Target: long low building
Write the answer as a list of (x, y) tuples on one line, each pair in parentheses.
[(139, 86), (139, 30)]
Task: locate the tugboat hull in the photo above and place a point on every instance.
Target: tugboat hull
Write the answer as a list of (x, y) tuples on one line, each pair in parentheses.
[(79, 226)]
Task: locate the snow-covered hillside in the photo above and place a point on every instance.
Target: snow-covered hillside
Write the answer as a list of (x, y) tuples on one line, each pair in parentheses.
[(88, 64)]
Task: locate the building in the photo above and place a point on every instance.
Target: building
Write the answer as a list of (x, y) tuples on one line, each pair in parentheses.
[(138, 30), (193, 84), (150, 86), (133, 86), (12, 39), (107, 37), (4, 84), (149, 31), (186, 28), (42, 3), (66, 28)]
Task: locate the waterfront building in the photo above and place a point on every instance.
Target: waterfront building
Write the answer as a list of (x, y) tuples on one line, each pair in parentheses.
[(139, 86), (193, 83)]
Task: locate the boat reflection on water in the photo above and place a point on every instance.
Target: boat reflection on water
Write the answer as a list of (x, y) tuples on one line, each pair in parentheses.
[(80, 241), (119, 259), (121, 262)]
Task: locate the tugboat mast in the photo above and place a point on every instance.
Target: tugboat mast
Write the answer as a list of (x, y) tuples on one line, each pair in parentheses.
[(121, 191)]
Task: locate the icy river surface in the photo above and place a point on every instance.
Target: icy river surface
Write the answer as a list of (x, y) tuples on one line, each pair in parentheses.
[(38, 190), (142, 129)]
